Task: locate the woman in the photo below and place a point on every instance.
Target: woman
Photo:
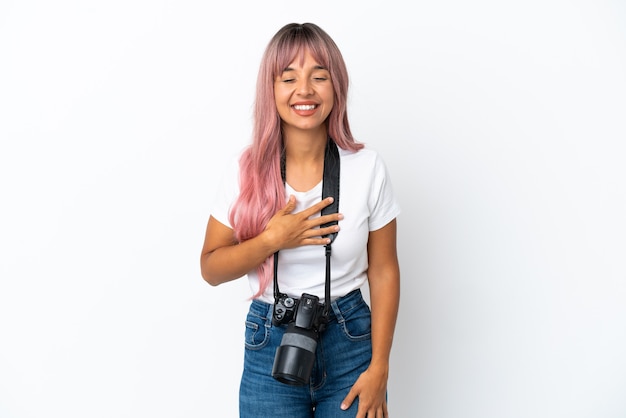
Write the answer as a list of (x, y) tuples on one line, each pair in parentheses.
[(271, 204)]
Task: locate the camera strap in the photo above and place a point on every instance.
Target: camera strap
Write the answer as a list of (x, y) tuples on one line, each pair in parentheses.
[(330, 187)]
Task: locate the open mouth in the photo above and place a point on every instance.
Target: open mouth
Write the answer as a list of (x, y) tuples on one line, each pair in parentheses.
[(304, 107)]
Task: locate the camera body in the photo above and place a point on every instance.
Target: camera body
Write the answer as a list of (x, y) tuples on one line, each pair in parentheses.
[(284, 310), (305, 320)]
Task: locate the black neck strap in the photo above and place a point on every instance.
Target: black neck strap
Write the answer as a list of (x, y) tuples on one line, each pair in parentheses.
[(330, 187)]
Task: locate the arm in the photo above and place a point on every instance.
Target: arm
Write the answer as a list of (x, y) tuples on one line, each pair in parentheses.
[(223, 259), (384, 282)]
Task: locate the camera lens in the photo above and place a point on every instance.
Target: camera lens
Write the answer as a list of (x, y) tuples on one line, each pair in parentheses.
[(295, 356)]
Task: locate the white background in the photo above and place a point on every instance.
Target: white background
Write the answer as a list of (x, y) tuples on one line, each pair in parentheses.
[(502, 123)]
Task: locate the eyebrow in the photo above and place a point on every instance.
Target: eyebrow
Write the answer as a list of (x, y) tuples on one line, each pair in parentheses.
[(317, 67)]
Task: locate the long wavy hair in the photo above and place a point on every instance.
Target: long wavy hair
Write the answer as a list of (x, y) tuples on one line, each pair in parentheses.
[(262, 192)]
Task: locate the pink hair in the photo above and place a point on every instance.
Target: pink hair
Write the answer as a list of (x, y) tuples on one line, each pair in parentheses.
[(262, 192)]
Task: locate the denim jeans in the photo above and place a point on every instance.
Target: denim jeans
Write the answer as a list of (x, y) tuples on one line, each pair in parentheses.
[(343, 352)]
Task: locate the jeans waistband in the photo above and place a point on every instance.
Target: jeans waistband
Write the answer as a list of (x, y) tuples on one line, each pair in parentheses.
[(339, 305)]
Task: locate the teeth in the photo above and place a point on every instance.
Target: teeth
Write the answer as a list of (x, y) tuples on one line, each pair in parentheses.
[(304, 107)]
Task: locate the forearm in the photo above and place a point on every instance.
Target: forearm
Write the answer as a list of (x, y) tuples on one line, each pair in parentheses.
[(231, 262), (371, 386), (385, 298), (223, 259)]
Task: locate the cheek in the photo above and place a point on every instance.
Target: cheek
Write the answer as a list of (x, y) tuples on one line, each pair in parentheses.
[(330, 99), (283, 110), (281, 97), (329, 106), (279, 100)]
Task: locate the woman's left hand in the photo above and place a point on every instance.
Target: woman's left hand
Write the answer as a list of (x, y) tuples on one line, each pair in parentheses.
[(371, 389)]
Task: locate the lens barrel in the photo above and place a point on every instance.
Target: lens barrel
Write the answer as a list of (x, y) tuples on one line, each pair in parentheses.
[(295, 356)]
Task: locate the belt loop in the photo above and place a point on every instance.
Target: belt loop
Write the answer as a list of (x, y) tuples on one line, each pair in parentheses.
[(270, 314), (335, 306), (346, 302)]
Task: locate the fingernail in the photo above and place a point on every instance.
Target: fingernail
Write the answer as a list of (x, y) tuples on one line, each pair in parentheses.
[(344, 406), (340, 217), (331, 199)]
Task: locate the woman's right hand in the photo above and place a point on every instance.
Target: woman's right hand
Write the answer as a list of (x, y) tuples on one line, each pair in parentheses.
[(224, 259), (288, 230)]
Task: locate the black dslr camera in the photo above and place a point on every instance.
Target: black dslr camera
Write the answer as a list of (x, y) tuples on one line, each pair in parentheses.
[(305, 320)]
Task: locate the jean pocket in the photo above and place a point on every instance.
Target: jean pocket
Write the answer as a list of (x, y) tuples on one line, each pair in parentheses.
[(257, 332), (357, 322)]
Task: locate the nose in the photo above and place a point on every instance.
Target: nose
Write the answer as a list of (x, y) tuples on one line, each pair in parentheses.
[(304, 87)]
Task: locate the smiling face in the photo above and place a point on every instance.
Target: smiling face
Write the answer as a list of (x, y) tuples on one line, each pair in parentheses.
[(304, 94)]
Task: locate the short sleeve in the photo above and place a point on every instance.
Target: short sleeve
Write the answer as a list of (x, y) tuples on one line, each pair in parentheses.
[(383, 204)]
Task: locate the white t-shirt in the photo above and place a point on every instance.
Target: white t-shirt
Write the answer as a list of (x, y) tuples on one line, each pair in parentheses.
[(367, 202)]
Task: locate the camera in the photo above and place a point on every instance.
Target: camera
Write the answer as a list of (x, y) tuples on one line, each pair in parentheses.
[(305, 320)]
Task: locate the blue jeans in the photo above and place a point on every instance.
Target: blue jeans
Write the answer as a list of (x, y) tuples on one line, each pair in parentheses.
[(343, 352)]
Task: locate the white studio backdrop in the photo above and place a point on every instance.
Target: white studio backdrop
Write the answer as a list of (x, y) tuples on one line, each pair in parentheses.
[(502, 124)]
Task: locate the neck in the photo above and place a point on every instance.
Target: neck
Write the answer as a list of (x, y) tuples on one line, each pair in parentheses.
[(305, 147), (304, 152)]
